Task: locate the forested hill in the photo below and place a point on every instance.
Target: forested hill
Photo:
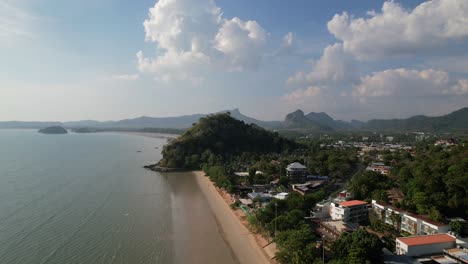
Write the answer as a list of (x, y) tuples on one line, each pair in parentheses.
[(455, 121), (217, 138)]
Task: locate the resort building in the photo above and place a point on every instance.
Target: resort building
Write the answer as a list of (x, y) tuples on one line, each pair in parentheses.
[(408, 222), (296, 172), (424, 245), (354, 211)]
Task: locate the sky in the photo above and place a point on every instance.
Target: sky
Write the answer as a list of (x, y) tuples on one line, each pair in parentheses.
[(115, 59)]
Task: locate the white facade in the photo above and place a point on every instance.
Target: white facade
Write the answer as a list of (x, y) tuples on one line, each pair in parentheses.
[(425, 247), (350, 211)]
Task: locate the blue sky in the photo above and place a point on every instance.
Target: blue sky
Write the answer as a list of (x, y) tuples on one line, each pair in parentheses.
[(115, 59)]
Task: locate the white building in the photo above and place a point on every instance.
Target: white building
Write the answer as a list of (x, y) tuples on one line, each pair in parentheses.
[(282, 196), (424, 245), (349, 211)]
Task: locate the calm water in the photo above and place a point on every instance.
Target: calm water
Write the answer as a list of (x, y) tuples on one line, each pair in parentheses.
[(85, 198)]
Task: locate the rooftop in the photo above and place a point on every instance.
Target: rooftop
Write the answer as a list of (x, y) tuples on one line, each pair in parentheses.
[(296, 165), (352, 203), (426, 240)]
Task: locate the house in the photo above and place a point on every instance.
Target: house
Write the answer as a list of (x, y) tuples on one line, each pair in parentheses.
[(353, 211), (424, 245), (379, 167), (264, 197), (296, 172), (344, 195), (307, 187)]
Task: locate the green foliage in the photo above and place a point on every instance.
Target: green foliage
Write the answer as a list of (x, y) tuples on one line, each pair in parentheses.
[(457, 227), (297, 246), (369, 184), (218, 138), (358, 247), (435, 182)]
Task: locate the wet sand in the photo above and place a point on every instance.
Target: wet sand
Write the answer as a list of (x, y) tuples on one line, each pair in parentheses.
[(239, 238), (197, 236)]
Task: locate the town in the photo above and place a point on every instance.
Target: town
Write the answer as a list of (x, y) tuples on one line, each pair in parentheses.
[(407, 237)]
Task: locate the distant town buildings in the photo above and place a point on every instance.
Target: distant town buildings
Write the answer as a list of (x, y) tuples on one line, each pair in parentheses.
[(379, 167)]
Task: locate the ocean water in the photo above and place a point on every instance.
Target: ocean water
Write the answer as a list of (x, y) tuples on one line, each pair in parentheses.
[(85, 198)]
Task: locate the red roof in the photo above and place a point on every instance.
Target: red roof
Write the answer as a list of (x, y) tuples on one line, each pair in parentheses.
[(352, 203), (425, 240)]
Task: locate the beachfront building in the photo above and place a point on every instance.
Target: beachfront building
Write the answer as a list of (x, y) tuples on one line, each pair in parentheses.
[(353, 211), (424, 245), (296, 172)]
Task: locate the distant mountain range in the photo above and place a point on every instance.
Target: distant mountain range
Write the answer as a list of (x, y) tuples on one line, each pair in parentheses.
[(295, 121)]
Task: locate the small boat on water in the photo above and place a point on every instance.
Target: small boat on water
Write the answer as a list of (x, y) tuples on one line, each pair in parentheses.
[(138, 151)]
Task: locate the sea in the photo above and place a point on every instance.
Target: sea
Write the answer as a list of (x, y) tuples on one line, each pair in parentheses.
[(86, 198)]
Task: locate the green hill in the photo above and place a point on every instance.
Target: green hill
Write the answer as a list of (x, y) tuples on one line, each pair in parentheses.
[(219, 137), (455, 121)]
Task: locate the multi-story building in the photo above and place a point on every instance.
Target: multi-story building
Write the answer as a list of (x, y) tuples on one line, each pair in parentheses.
[(408, 222), (354, 211), (296, 172)]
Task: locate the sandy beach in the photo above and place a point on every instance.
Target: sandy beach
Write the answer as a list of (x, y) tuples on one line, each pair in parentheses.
[(239, 238)]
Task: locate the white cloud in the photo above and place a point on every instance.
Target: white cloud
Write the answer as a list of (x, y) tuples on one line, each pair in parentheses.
[(460, 88), (288, 39), (301, 94), (430, 26), (193, 38), (409, 83), (126, 77), (14, 21), (241, 42), (335, 67)]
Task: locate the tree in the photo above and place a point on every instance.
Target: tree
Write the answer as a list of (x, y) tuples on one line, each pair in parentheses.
[(296, 246), (359, 245)]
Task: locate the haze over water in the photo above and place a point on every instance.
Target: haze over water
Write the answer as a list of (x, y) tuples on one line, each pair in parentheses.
[(85, 198)]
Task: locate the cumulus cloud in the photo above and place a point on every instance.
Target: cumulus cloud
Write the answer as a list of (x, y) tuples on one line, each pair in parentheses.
[(460, 88), (334, 67), (288, 39), (192, 37), (409, 83), (126, 77), (397, 31), (241, 42), (302, 93)]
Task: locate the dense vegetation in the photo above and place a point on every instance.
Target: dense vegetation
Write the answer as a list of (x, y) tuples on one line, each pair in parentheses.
[(435, 181), (218, 138), (358, 247)]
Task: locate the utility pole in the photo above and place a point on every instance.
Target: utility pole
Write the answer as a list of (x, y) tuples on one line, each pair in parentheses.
[(323, 249)]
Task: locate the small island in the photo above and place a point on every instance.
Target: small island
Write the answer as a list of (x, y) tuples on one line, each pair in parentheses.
[(53, 130)]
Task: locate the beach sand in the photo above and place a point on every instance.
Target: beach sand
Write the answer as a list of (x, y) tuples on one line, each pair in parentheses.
[(240, 239)]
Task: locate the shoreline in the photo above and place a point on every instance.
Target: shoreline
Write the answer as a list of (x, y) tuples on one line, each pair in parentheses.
[(240, 239)]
